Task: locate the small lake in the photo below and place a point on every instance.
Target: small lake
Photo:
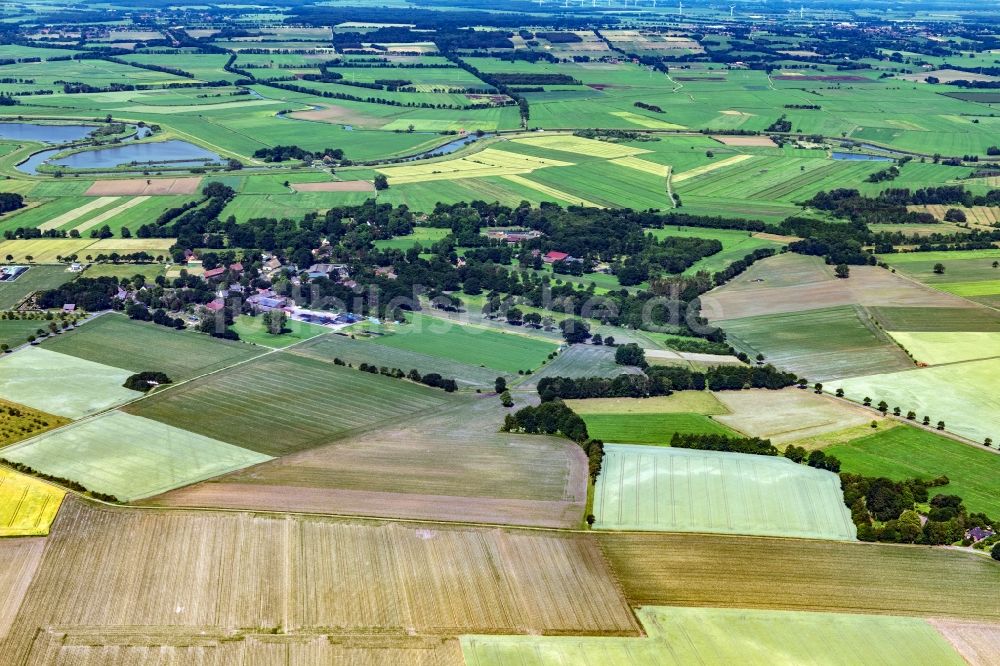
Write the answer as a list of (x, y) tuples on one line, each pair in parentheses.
[(860, 157), (44, 133), (449, 147), (172, 151)]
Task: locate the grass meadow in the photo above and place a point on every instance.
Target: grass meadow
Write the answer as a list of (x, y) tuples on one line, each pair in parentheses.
[(35, 279), (505, 352), (142, 346), (908, 453), (684, 490)]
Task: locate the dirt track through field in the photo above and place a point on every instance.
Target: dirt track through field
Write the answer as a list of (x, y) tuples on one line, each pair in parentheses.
[(108, 214), (76, 213)]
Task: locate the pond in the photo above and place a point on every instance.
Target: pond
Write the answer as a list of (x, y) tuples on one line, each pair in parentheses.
[(44, 133), (449, 147), (860, 157), (172, 151)]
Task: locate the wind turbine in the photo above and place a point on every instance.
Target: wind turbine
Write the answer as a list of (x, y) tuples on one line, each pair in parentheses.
[(802, 10), (731, 8), (680, 8)]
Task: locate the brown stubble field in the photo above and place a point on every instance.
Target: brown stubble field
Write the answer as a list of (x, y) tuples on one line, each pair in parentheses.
[(977, 642), (805, 575), (19, 560), (793, 283), (144, 187), (141, 578), (451, 464)]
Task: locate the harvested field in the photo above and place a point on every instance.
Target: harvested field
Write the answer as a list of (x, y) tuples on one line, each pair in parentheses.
[(739, 572), (27, 505), (818, 344), (680, 402), (788, 415), (136, 187), (670, 357), (130, 245), (141, 346), (130, 457), (108, 571), (734, 140), (19, 559), (977, 642), (683, 636), (646, 121), (452, 464), (986, 216), (791, 282), (961, 394), (683, 490), (336, 186), (708, 168), (61, 384), (340, 115), (301, 401), (947, 76)]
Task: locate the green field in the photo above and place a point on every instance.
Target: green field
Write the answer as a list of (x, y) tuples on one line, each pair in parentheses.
[(962, 395), (15, 332), (130, 457), (252, 330), (682, 636), (142, 346), (61, 384), (909, 453), (936, 347), (425, 236), (654, 429), (35, 279), (119, 271), (684, 490), (818, 344), (367, 350), (506, 352), (283, 403), (913, 319)]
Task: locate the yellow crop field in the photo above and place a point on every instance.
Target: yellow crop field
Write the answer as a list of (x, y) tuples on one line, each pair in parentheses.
[(18, 422), (128, 245), (43, 250), (27, 506), (553, 192), (708, 168), (576, 144), (983, 215), (489, 162), (642, 165), (646, 121)]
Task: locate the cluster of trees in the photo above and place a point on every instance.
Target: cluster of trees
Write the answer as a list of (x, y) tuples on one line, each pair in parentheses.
[(631, 355), (10, 201), (706, 442), (782, 124), (146, 381), (649, 107), (535, 79), (892, 173), (885, 510), (431, 379), (555, 418), (663, 380), (816, 458), (91, 294), (285, 153), (140, 312)]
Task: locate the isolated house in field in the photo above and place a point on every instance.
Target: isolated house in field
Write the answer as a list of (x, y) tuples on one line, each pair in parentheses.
[(553, 256)]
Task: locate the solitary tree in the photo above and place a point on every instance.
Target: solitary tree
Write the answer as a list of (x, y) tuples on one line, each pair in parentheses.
[(381, 182), (940, 425), (939, 269), (842, 271), (500, 384)]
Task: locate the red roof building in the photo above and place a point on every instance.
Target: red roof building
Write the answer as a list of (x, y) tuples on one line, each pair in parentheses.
[(215, 306), (214, 273), (554, 256)]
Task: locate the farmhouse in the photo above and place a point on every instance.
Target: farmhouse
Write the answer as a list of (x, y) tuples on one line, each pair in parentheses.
[(513, 236), (553, 256), (978, 534)]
